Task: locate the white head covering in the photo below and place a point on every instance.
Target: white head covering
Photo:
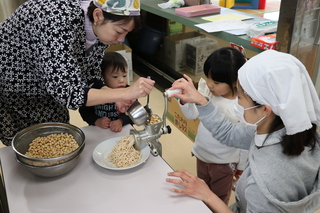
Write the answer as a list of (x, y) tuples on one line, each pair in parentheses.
[(282, 82)]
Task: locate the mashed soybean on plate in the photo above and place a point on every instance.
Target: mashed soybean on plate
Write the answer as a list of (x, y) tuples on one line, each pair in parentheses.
[(101, 152)]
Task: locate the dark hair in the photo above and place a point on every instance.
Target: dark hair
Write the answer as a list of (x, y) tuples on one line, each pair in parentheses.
[(114, 61), (293, 145), (223, 65), (114, 18)]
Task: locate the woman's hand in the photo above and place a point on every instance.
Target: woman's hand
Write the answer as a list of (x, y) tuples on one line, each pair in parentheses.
[(197, 188), (123, 106), (140, 88), (194, 186), (188, 94)]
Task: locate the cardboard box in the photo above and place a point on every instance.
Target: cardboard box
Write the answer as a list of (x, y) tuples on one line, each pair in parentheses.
[(175, 48), (197, 52), (174, 27), (196, 2), (186, 126), (265, 42), (192, 2), (126, 52)]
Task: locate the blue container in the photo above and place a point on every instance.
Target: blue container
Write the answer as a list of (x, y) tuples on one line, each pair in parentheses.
[(149, 40)]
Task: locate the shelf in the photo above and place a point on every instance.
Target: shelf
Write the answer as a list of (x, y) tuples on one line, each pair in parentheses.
[(159, 71), (151, 6), (163, 75)]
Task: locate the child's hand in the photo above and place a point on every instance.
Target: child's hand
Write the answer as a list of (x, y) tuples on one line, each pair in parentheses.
[(189, 94), (116, 125), (236, 177), (103, 122)]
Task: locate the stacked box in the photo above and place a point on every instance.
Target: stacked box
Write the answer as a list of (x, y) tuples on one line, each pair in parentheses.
[(197, 52), (126, 52), (175, 48), (265, 42), (174, 27)]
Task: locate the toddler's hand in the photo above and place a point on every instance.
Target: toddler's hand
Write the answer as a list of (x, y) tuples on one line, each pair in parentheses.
[(236, 177), (116, 125), (103, 122)]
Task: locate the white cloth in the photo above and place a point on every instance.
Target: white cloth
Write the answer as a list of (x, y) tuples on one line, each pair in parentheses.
[(172, 4), (281, 81)]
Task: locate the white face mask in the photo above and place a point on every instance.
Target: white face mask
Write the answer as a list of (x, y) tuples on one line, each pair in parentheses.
[(239, 110)]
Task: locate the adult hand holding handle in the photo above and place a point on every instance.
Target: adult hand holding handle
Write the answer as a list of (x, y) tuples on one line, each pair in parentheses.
[(123, 96), (140, 88)]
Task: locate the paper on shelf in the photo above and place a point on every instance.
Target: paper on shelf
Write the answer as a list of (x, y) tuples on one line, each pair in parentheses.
[(224, 25), (237, 32), (229, 16)]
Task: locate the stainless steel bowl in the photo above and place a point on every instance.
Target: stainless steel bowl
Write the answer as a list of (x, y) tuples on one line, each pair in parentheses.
[(138, 114), (53, 171), (22, 139)]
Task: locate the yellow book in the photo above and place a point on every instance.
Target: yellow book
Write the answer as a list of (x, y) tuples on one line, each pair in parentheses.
[(229, 3), (222, 3), (226, 3)]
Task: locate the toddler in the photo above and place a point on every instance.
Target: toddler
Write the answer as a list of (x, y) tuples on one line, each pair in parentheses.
[(218, 164), (114, 72)]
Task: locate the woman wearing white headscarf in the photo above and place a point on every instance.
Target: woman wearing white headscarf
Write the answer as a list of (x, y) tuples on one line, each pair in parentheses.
[(279, 111)]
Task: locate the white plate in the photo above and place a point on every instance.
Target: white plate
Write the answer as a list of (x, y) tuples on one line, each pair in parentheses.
[(103, 149)]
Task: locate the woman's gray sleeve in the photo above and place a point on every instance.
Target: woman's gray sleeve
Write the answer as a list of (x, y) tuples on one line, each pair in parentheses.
[(228, 133)]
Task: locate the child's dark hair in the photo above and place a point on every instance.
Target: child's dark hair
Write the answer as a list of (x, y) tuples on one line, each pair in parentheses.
[(114, 61), (114, 18), (223, 65)]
